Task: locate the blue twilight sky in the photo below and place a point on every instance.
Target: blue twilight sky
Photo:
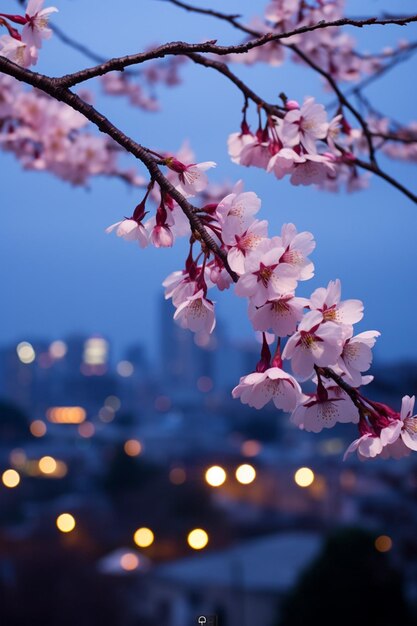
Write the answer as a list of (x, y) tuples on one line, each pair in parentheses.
[(62, 274)]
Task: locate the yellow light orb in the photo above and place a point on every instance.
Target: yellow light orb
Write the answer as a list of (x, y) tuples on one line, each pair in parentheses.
[(143, 537), (132, 447), (25, 352), (215, 476), (65, 522), (129, 561), (10, 478), (383, 543), (304, 477), (47, 465), (245, 474), (197, 539)]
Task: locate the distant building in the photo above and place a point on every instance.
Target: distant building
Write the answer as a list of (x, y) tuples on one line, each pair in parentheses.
[(243, 585)]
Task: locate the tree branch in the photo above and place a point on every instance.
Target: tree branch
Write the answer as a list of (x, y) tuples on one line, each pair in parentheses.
[(53, 88)]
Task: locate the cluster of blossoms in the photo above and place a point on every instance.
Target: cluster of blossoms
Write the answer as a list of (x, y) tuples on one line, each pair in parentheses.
[(45, 134), (303, 145), (22, 47), (314, 337), (330, 49)]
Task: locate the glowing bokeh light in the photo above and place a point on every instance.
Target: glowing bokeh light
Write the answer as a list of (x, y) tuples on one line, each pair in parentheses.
[(177, 475), (251, 447), (245, 474), (215, 476), (143, 537), (304, 477), (66, 414), (58, 349), (383, 543), (129, 561), (132, 447), (86, 430), (197, 539), (10, 478), (37, 428), (125, 369), (47, 465), (25, 352), (65, 522)]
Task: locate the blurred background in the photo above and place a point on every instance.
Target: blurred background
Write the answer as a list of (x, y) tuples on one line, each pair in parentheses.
[(133, 490)]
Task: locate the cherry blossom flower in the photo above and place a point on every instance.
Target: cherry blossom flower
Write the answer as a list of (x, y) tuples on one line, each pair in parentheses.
[(401, 436), (312, 169), (241, 245), (281, 316), (356, 356), (258, 388), (131, 230), (236, 211), (368, 446), (189, 179), (18, 51), (237, 141), (316, 413), (196, 313), (297, 248), (327, 302), (265, 278), (161, 236), (304, 126), (36, 27), (314, 343)]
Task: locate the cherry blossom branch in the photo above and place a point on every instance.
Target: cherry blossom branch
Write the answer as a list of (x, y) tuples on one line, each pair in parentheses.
[(401, 20), (375, 169), (53, 88)]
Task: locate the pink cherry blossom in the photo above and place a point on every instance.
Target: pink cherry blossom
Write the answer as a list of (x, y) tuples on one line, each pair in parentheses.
[(265, 278), (314, 343), (130, 230), (189, 179), (237, 141), (314, 414), (18, 51), (36, 27), (401, 436), (241, 245), (161, 236), (258, 388), (196, 313), (356, 356), (297, 248), (328, 302), (368, 446), (236, 211), (313, 169), (305, 126), (281, 316)]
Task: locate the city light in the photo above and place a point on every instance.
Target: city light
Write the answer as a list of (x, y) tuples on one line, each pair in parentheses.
[(215, 476), (47, 465), (383, 543), (129, 561), (37, 428), (25, 352), (251, 447), (177, 475), (124, 369), (86, 430), (65, 522), (112, 402), (132, 447), (143, 537), (197, 539), (66, 414), (18, 457), (304, 477), (58, 349), (10, 478), (95, 351), (245, 474)]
